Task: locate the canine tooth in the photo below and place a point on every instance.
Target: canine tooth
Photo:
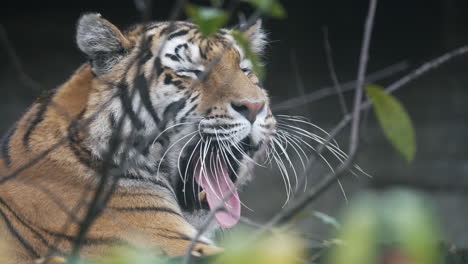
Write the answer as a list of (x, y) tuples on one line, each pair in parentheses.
[(202, 195)]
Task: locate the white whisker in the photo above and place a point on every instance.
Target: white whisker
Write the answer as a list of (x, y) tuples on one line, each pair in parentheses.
[(171, 146)]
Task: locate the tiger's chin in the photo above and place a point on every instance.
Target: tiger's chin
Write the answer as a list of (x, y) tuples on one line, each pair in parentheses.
[(210, 179)]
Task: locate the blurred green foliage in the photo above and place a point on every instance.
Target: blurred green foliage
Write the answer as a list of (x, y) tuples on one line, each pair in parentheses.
[(208, 19), (272, 8), (244, 43), (396, 227)]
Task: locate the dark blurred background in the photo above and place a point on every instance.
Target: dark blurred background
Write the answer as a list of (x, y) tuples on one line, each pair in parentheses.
[(42, 35)]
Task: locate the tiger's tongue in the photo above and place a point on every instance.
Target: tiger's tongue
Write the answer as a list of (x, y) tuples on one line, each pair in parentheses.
[(217, 185)]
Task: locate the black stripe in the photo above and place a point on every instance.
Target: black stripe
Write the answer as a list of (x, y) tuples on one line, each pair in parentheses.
[(83, 154), (178, 84), (142, 85), (165, 30), (148, 55), (44, 103), (158, 66), (167, 78), (178, 235), (25, 224), (153, 26), (146, 209), (178, 34), (13, 231), (88, 240), (173, 57), (145, 50), (127, 105), (196, 72), (202, 53), (153, 181), (112, 120), (191, 109), (140, 194), (171, 111), (5, 145), (177, 49), (194, 98)]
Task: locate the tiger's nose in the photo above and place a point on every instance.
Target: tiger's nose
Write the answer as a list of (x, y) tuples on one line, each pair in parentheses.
[(248, 109)]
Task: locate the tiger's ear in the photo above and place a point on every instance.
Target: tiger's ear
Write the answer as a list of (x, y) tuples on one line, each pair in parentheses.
[(101, 41), (257, 37)]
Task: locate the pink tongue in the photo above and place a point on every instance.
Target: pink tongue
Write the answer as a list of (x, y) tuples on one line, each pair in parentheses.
[(217, 185)]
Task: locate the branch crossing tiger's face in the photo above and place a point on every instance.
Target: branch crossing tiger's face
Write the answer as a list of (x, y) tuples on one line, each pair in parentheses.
[(193, 100)]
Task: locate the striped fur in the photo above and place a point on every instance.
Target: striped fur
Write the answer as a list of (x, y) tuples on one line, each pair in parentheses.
[(125, 116)]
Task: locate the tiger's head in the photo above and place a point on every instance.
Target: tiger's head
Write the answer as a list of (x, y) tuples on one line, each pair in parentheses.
[(190, 109)]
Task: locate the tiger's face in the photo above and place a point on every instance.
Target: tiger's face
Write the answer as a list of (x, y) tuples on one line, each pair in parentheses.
[(191, 105)]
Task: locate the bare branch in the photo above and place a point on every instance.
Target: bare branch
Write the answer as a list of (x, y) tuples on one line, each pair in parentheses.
[(427, 67), (16, 62), (297, 75), (331, 178), (145, 9), (354, 137), (331, 69), (345, 87)]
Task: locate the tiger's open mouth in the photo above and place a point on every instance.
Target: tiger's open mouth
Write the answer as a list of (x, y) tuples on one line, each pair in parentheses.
[(210, 177)]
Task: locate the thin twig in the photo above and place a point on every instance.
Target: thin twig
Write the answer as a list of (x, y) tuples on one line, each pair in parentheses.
[(144, 7), (331, 69), (364, 57), (297, 75), (345, 87), (16, 62)]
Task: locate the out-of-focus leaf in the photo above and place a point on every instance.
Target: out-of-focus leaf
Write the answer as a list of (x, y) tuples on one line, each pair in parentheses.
[(217, 3), (278, 248), (359, 234), (392, 227), (244, 43), (270, 7), (136, 256), (209, 20), (394, 120), (410, 223)]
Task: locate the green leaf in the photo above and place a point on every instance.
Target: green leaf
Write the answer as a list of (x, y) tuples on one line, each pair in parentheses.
[(394, 120), (208, 19), (132, 255), (411, 222), (275, 248), (244, 43), (358, 233), (390, 227), (270, 7)]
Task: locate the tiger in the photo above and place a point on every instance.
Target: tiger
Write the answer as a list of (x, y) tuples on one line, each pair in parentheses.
[(158, 129)]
